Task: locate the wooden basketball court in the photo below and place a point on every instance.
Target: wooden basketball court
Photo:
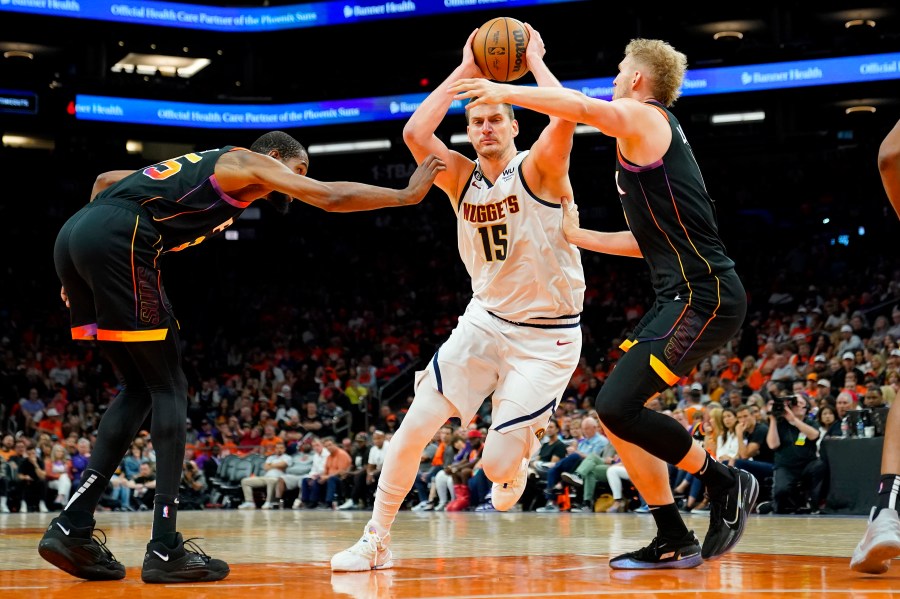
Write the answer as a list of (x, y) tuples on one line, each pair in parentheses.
[(450, 555)]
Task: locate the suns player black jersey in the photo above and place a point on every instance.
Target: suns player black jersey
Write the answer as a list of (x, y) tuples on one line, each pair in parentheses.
[(673, 220), (182, 198)]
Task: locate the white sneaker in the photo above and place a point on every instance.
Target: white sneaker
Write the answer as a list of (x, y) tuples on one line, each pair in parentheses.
[(422, 506), (440, 507), (879, 545), (23, 507), (506, 495), (371, 552), (296, 505), (267, 505), (347, 505), (4, 509), (247, 505)]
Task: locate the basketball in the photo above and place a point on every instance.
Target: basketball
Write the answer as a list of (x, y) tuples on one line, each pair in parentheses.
[(499, 48)]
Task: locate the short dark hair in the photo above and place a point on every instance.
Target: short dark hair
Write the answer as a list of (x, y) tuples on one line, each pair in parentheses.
[(507, 108), (286, 145)]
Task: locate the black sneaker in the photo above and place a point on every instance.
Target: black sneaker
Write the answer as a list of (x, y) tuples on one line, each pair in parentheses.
[(572, 479), (661, 554), (728, 513), (185, 563), (78, 551)]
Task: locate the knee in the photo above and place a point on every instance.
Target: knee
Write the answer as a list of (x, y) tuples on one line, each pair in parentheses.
[(613, 411), (499, 470)]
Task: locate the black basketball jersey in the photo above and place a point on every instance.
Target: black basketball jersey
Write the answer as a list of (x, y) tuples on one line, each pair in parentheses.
[(673, 220), (182, 198)]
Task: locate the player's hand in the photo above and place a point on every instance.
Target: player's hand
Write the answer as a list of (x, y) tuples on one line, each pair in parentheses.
[(64, 296), (535, 50), (571, 222), (481, 91), (423, 178), (468, 57)]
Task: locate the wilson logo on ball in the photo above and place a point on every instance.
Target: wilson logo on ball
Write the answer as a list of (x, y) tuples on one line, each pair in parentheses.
[(499, 49)]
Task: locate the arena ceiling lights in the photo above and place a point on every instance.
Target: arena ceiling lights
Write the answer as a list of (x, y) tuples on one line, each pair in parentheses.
[(168, 66)]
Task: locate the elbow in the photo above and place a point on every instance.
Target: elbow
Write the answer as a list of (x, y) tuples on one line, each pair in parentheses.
[(888, 158)]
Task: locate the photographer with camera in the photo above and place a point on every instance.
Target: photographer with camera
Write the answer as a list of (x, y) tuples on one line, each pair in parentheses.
[(799, 473)]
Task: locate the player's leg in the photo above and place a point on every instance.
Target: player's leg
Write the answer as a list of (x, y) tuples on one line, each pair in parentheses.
[(69, 541), (428, 412), (167, 558), (536, 368), (881, 542)]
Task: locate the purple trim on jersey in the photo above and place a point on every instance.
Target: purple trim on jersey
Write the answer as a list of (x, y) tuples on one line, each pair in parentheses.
[(236, 203), (639, 169), (535, 414), (437, 373)]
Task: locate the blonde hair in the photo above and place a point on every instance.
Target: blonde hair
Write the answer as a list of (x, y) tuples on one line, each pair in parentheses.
[(665, 64)]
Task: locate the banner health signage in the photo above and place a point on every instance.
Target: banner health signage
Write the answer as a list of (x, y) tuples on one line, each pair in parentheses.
[(724, 80), (220, 18)]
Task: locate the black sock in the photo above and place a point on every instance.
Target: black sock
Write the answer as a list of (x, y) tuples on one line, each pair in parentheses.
[(888, 490), (79, 518), (714, 475), (165, 511), (668, 521), (86, 497)]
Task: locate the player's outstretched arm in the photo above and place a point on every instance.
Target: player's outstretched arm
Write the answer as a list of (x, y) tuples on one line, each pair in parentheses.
[(342, 196), (619, 243), (620, 118)]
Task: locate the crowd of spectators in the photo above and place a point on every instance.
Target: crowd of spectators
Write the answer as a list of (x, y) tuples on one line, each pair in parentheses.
[(318, 351)]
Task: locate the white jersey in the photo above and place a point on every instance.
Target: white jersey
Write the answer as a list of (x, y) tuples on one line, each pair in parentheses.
[(512, 244)]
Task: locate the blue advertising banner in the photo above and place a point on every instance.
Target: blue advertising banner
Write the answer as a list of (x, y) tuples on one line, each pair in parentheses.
[(220, 18), (724, 80)]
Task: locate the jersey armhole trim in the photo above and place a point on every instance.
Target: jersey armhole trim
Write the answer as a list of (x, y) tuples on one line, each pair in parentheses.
[(528, 189)]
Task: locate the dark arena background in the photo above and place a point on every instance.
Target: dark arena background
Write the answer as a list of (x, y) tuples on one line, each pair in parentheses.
[(331, 314)]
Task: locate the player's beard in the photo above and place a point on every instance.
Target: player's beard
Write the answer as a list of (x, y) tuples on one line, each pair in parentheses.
[(281, 202)]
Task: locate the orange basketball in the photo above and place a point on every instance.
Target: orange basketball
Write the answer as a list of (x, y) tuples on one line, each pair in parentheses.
[(499, 48)]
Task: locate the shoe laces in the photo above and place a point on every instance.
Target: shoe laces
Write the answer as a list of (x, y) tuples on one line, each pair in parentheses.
[(192, 547), (101, 544), (368, 545), (651, 551)]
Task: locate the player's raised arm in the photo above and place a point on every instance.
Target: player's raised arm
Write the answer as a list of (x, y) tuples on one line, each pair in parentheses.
[(418, 133)]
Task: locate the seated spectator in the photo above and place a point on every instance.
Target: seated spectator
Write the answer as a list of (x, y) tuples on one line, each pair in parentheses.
[(192, 490), (32, 480), (754, 454), (591, 443), (273, 469), (366, 480), (591, 472), (464, 469), (58, 468), (143, 487), (443, 480), (615, 475), (337, 468), (269, 440), (829, 425), (301, 466), (799, 473), (423, 477), (552, 450), (874, 397), (310, 485)]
